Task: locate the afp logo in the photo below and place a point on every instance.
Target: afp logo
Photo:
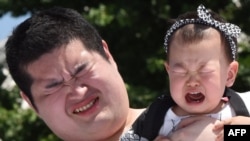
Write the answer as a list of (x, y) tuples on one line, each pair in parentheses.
[(241, 132)]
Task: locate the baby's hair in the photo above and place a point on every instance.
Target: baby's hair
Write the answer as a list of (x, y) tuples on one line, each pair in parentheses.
[(203, 19)]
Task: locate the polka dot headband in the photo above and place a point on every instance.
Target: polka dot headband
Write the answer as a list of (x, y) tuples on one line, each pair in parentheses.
[(229, 30)]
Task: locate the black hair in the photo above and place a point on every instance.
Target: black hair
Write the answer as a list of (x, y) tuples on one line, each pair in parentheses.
[(42, 33), (196, 32)]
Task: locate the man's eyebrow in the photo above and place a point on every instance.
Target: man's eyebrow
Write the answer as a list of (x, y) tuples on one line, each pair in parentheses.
[(79, 68), (54, 83)]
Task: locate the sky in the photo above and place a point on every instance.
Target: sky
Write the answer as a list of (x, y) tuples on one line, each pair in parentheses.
[(8, 23)]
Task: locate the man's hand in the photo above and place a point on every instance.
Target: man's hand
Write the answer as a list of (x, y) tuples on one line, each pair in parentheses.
[(219, 126), (196, 128)]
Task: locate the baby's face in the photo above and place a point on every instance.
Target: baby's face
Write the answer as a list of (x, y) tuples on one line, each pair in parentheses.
[(198, 73)]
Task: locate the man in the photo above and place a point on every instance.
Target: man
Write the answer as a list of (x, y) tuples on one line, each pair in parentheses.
[(68, 76)]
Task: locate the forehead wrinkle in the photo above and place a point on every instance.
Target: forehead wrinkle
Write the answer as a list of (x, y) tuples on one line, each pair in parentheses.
[(178, 65), (190, 64)]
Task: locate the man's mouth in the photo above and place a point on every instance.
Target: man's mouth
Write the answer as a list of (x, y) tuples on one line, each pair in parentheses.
[(195, 97), (85, 107)]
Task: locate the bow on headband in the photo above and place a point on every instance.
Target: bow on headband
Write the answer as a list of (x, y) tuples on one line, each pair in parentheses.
[(229, 30)]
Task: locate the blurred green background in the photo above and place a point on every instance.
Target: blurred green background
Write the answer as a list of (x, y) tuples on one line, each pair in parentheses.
[(134, 31)]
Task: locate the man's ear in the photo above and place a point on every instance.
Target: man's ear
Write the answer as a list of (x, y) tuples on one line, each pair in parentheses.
[(232, 73), (106, 49), (107, 52), (26, 99)]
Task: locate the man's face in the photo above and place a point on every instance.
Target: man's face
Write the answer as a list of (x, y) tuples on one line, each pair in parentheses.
[(80, 95), (198, 73)]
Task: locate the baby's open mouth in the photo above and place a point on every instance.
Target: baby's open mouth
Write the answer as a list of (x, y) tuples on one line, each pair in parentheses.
[(195, 97)]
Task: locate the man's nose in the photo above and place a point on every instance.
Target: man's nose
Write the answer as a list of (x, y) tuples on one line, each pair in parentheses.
[(75, 85), (70, 82)]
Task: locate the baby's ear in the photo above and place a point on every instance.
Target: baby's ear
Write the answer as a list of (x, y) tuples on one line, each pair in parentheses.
[(166, 66), (232, 73)]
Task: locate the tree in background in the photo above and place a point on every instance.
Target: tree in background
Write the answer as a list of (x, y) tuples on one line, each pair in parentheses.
[(134, 31)]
